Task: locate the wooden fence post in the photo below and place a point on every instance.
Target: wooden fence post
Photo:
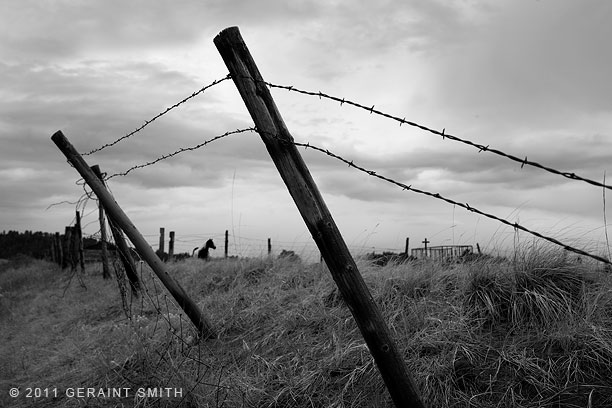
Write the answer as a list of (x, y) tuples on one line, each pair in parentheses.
[(124, 252), (226, 242), (171, 246), (269, 246), (317, 217), (162, 233), (67, 248), (104, 239), (407, 244), (144, 249), (79, 238)]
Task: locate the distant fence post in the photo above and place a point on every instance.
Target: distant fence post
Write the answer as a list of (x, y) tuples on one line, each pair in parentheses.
[(226, 242), (161, 242), (407, 245), (144, 249), (317, 217), (67, 248), (80, 242), (269, 246), (171, 246), (124, 252), (103, 236)]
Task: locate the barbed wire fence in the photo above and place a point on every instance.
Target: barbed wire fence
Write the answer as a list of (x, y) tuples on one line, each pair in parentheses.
[(443, 134), (157, 316), (351, 164)]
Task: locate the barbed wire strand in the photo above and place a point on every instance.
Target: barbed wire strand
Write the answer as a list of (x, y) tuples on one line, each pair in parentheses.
[(181, 150), (438, 196), (148, 122), (372, 173), (523, 161)]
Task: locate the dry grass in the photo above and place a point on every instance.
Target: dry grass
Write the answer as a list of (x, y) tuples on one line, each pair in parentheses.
[(489, 333)]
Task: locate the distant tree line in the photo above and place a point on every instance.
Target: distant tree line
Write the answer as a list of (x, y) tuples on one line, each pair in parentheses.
[(33, 244)]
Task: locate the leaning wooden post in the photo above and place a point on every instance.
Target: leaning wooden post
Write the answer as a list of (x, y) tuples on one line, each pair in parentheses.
[(407, 245), (144, 249), (124, 252), (317, 217), (104, 239)]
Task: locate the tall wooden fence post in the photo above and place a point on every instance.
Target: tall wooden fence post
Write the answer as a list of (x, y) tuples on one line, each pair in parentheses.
[(226, 242), (407, 245), (144, 249), (317, 217), (124, 252), (171, 246)]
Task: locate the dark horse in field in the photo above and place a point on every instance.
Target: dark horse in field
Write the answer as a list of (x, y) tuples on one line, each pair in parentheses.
[(203, 253)]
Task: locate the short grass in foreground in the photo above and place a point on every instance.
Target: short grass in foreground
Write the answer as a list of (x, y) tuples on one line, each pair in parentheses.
[(487, 333)]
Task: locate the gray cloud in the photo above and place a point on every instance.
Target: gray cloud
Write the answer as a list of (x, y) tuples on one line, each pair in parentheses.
[(33, 30), (529, 79), (531, 66)]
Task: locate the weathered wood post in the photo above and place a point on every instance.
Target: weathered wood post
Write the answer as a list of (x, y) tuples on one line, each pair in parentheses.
[(103, 237), (269, 246), (144, 249), (317, 217), (162, 233), (124, 252), (79, 238), (67, 248), (74, 249), (171, 246), (407, 245), (226, 242)]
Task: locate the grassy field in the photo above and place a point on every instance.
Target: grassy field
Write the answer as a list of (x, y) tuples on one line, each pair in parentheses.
[(536, 332)]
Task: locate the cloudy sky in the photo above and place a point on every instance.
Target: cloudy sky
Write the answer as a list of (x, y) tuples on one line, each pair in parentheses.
[(530, 78)]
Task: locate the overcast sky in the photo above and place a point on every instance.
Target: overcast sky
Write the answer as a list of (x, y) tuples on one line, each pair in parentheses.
[(530, 78)]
